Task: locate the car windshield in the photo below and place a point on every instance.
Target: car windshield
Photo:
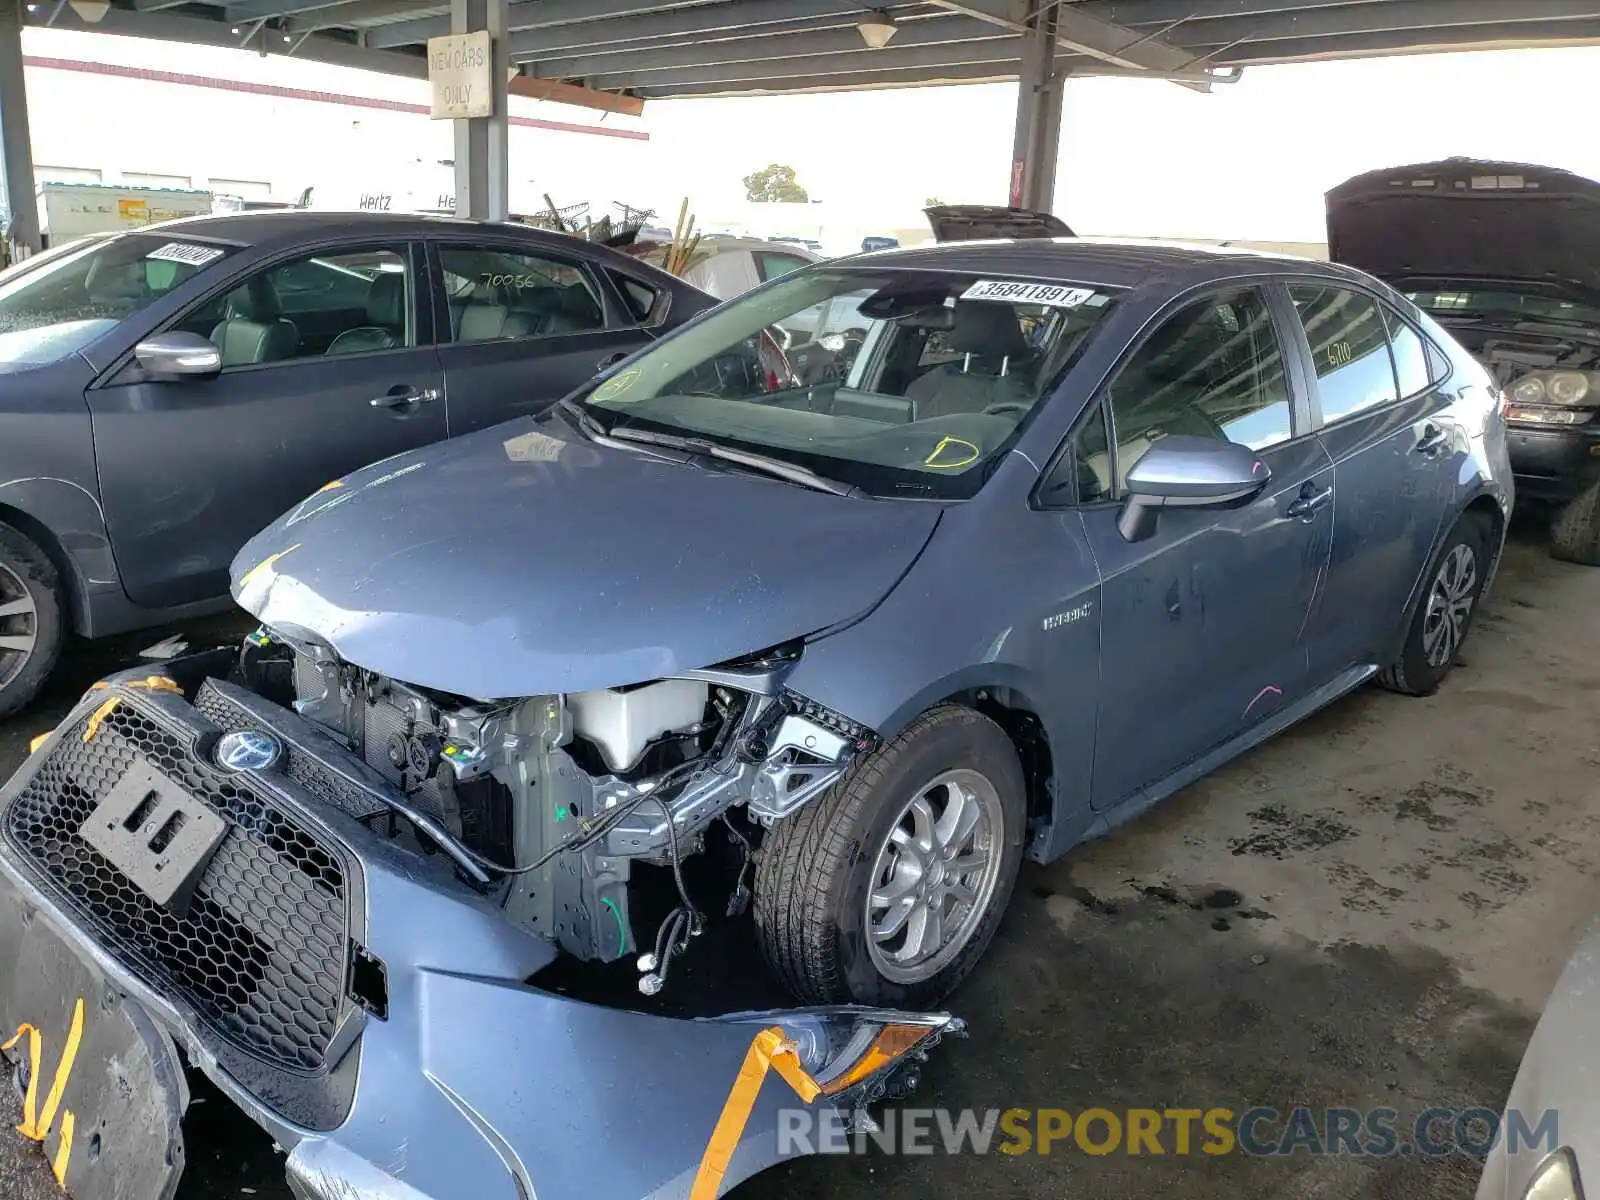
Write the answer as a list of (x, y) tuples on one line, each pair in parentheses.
[(895, 382), (1502, 305), (56, 308)]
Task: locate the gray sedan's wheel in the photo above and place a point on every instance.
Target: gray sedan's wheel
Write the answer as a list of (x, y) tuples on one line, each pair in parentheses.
[(1444, 614), (888, 889), (30, 620)]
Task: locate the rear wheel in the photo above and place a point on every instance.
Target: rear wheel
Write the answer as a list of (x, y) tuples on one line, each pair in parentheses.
[(888, 889), (1575, 533), (30, 620), (1444, 616)]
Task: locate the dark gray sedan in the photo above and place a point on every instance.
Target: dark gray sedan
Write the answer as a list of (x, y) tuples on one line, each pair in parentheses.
[(168, 392)]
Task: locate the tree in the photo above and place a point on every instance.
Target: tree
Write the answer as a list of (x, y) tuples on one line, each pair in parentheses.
[(774, 185), (933, 202)]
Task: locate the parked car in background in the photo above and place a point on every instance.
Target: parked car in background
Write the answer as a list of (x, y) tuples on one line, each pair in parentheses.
[(981, 222), (169, 391), (729, 266), (1507, 257), (871, 243)]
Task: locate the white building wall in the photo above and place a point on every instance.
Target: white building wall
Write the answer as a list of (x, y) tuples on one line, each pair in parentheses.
[(148, 130)]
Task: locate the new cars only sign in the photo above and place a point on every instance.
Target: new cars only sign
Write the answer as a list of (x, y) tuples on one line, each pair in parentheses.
[(458, 72)]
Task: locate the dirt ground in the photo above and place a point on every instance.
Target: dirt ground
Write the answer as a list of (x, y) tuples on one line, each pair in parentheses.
[(1368, 911)]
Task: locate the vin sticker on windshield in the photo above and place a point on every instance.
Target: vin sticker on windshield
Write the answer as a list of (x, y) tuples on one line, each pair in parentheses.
[(1012, 292), (185, 252)]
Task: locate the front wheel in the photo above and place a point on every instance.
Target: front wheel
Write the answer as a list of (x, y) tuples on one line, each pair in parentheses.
[(888, 889), (31, 629), (1575, 532), (1444, 615)]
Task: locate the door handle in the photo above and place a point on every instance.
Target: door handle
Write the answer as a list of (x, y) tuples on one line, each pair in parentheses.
[(1432, 441), (404, 397), (1310, 503)]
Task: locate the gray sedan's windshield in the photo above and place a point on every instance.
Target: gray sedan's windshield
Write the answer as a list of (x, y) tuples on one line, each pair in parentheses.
[(910, 382), (53, 309)]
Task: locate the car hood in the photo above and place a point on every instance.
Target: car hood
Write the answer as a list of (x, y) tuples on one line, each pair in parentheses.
[(1470, 219), (524, 559), (980, 222)]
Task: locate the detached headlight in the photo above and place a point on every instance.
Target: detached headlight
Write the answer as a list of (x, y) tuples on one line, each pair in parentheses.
[(1556, 387), (845, 1048), (1556, 1179)]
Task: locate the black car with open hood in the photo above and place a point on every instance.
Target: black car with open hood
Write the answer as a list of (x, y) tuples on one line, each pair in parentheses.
[(1506, 256)]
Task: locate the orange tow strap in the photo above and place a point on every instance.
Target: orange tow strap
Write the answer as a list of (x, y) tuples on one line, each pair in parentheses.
[(37, 1122), (771, 1050)]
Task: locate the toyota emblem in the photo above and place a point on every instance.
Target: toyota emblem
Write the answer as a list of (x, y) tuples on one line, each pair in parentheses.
[(248, 750)]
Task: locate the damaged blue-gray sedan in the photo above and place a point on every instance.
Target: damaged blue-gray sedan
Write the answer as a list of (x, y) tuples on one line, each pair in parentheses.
[(807, 638)]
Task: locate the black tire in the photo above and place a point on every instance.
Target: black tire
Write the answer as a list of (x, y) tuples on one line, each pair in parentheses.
[(1413, 674), (26, 568), (1575, 532), (816, 867)]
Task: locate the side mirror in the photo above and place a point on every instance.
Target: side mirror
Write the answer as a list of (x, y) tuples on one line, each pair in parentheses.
[(1180, 471), (178, 355)]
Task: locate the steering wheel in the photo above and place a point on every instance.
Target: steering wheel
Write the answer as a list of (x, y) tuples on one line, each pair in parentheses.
[(1020, 407)]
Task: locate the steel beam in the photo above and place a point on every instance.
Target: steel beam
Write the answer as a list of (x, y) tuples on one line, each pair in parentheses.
[(1421, 17), (916, 58), (846, 40), (533, 14), (356, 13), (16, 153), (755, 17), (1036, 141), (483, 151), (264, 10), (1507, 36), (875, 80), (1084, 33)]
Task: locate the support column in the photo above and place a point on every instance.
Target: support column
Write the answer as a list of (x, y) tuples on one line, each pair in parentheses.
[(1037, 141), (483, 176), (16, 154)]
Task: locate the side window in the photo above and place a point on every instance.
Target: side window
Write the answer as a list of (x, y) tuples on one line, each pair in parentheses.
[(1410, 355), (770, 265), (351, 302), (1349, 348), (1214, 370), (1092, 460), (497, 294), (639, 297)]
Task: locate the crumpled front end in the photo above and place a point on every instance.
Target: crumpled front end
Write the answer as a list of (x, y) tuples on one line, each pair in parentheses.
[(359, 996)]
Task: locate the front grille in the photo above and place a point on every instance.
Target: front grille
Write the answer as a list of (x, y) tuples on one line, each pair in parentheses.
[(260, 952)]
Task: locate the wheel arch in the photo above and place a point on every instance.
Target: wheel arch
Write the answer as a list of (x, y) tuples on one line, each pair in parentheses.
[(1485, 504), (72, 583)]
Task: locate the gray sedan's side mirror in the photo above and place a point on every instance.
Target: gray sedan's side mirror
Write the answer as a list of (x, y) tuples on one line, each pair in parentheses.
[(1180, 471), (178, 355)]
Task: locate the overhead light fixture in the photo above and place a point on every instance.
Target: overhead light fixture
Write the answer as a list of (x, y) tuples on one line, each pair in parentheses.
[(876, 28), (90, 11)]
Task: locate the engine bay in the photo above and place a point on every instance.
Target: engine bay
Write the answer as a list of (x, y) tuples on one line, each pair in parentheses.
[(547, 803)]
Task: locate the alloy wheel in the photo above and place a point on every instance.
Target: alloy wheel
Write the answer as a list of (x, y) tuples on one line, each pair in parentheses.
[(1450, 601), (934, 876), (19, 625)]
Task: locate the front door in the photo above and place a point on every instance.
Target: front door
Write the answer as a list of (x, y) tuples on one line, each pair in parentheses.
[(521, 330), (1395, 451), (326, 367), (1202, 623)]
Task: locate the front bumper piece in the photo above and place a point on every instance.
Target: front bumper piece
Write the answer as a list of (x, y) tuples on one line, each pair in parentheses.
[(352, 998)]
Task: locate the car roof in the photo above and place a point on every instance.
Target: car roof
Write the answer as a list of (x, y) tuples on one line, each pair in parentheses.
[(1111, 262), (298, 224)]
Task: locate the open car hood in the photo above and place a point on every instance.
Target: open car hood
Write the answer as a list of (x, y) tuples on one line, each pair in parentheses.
[(523, 560), (975, 222), (1470, 219)]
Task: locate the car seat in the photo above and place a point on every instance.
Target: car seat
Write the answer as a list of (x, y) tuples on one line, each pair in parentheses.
[(253, 328), (386, 318), (994, 367)]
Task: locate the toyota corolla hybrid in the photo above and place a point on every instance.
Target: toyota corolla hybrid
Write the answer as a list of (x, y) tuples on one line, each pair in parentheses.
[(1054, 529)]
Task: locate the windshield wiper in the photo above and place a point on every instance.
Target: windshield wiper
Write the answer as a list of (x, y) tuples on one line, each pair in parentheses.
[(776, 467)]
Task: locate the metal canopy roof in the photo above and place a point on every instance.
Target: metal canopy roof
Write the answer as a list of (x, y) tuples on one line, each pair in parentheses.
[(733, 47)]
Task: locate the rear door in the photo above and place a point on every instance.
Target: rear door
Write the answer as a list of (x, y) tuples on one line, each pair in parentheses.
[(1395, 449), (313, 386), (1202, 623), (520, 328)]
